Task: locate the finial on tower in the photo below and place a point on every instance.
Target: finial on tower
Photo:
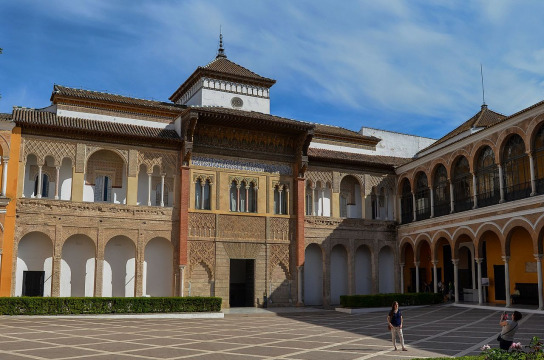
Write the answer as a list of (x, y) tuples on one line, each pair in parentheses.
[(221, 51)]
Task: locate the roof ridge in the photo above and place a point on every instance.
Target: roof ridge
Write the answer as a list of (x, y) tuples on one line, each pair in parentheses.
[(109, 93)]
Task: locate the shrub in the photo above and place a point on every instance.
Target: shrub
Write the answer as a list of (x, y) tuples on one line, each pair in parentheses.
[(110, 305), (381, 300)]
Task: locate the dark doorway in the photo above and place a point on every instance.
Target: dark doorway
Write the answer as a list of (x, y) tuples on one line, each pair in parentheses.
[(500, 287), (33, 283), (448, 266), (422, 281), (242, 283)]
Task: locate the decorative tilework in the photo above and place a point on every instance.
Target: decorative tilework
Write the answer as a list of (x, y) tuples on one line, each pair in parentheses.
[(242, 165)]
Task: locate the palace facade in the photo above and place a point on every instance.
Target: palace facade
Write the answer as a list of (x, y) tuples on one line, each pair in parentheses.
[(210, 194)]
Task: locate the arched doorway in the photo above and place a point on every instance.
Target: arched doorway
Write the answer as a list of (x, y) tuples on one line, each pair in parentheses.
[(339, 273), (313, 275), (77, 267)]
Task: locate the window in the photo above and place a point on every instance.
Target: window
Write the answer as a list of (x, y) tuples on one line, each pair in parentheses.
[(164, 196), (423, 201), (517, 178), (243, 196), (281, 194), (406, 203), (102, 189), (202, 194), (462, 185), (487, 179), (309, 205), (442, 204)]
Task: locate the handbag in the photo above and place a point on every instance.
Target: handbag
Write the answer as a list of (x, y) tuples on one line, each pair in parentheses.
[(499, 338)]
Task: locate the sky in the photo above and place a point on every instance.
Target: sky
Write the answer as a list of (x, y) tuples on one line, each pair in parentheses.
[(407, 66)]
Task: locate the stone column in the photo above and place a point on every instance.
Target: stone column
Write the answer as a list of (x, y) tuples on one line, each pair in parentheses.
[(474, 191), (55, 275), (401, 266), (435, 276), (139, 269), (432, 202), (416, 263), (162, 189), (185, 184), (414, 210), (287, 202), (39, 187), (300, 300), (312, 210), (532, 169), (473, 272), (506, 259), (5, 161), (322, 201), (501, 185), (149, 189), (452, 197), (181, 279), (57, 183), (480, 289), (456, 278), (538, 258), (280, 193)]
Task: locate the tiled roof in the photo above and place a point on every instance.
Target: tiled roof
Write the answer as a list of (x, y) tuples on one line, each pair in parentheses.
[(339, 132), (254, 117), (222, 69), (35, 118), (5, 117), (380, 160), (63, 91), (482, 119)]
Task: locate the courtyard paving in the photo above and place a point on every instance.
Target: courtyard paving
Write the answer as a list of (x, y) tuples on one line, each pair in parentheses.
[(442, 330)]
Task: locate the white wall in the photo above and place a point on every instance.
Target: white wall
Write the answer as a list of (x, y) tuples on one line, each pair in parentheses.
[(119, 267), (339, 273), (313, 275), (386, 265), (397, 144), (158, 268), (363, 271), (355, 211), (210, 97), (77, 267), (34, 253), (65, 174)]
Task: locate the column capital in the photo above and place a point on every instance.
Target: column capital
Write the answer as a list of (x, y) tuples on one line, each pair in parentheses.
[(455, 262), (416, 263), (434, 262), (300, 267), (181, 267), (401, 264), (5, 158), (478, 260), (505, 258), (538, 257)]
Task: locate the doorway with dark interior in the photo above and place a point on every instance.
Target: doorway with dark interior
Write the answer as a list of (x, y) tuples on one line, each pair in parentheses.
[(242, 283), (33, 282)]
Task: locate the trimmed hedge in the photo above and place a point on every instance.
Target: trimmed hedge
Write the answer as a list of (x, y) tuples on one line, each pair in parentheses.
[(109, 305), (385, 300)]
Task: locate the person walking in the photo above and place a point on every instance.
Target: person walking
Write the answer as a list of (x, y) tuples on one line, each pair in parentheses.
[(509, 328), (394, 322)]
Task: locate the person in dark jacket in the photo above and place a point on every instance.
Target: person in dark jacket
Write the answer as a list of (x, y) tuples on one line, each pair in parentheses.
[(394, 321)]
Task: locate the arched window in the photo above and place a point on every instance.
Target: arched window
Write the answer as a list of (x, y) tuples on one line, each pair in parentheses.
[(487, 178), (252, 198), (102, 189), (539, 160), (243, 197), (281, 204), (423, 201), (234, 192), (164, 196), (517, 177), (406, 203), (309, 201), (442, 205), (202, 194), (45, 186), (462, 185)]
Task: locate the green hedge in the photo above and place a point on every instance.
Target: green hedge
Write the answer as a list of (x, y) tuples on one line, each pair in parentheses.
[(381, 300), (110, 305)]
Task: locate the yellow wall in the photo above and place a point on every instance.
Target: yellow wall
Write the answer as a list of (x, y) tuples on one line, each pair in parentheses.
[(494, 257), (521, 252), (9, 224)]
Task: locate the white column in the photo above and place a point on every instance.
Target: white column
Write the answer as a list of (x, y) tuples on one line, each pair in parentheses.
[(474, 191), (39, 194), (501, 183), (538, 258), (532, 168), (312, 210), (432, 202), (414, 210), (401, 265), (162, 189), (456, 278), (480, 289), (149, 189), (416, 263), (5, 160), (57, 182), (280, 192), (473, 272), (435, 276), (506, 259), (286, 200), (452, 197), (300, 301), (202, 186), (181, 279)]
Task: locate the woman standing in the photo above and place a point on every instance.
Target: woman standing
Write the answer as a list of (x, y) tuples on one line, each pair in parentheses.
[(394, 321)]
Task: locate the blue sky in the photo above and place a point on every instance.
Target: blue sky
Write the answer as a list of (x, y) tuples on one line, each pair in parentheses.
[(406, 66)]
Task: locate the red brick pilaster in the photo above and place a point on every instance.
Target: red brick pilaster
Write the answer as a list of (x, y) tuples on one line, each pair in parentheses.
[(299, 212), (184, 214)]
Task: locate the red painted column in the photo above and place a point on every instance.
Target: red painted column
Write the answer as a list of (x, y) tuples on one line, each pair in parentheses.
[(183, 223), (299, 235)]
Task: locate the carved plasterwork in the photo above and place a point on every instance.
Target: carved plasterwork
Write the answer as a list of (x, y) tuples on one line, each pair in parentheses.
[(282, 229), (201, 225), (279, 255), (247, 180), (242, 250), (202, 252), (51, 173), (378, 182), (203, 178), (241, 227), (43, 148), (323, 177), (91, 149), (166, 162), (232, 164)]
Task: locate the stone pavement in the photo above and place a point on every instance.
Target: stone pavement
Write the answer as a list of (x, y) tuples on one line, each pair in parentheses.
[(441, 330)]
